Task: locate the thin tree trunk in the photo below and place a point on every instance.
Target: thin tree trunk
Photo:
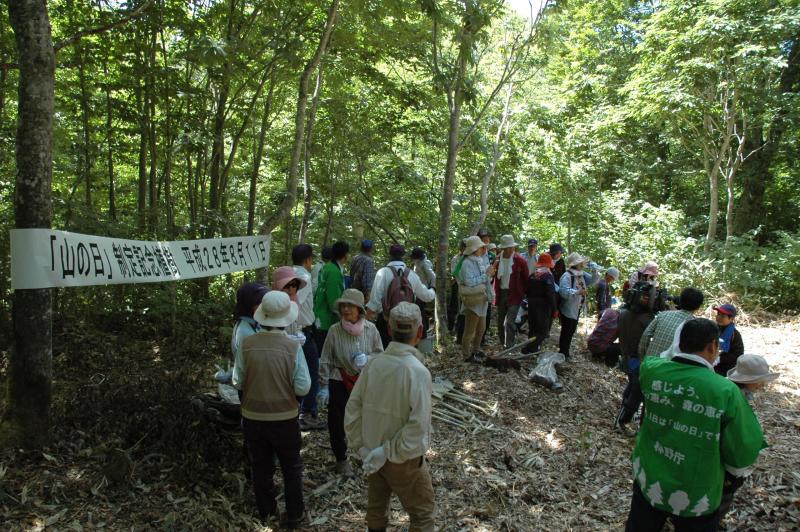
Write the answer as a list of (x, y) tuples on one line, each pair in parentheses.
[(312, 119), (497, 152), (150, 99), (112, 200), (262, 135), (86, 157), (300, 120), (141, 198), (26, 420)]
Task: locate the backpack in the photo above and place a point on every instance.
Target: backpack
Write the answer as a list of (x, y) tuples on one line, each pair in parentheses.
[(399, 290)]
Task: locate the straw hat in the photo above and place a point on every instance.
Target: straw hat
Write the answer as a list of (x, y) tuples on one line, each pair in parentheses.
[(351, 296), (576, 258), (507, 241), (276, 310), (473, 244), (751, 369)]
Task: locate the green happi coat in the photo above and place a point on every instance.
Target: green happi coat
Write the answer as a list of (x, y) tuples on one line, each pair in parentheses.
[(696, 423)]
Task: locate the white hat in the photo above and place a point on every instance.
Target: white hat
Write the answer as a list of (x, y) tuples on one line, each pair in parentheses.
[(276, 310), (575, 258), (474, 243), (507, 241), (613, 272), (751, 369)]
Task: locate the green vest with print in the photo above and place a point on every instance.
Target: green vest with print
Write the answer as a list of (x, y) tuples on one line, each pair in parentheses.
[(696, 423)]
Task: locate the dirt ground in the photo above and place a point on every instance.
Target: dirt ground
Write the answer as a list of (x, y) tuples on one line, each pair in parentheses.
[(547, 461)]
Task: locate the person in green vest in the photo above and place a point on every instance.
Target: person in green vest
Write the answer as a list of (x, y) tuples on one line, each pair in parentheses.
[(697, 426), (329, 290)]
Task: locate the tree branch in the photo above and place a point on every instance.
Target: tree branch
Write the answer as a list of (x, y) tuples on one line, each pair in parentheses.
[(136, 13)]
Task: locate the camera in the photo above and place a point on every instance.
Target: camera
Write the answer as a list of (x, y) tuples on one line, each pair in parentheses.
[(644, 297)]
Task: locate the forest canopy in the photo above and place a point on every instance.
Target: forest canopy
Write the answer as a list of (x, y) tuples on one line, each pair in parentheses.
[(625, 130)]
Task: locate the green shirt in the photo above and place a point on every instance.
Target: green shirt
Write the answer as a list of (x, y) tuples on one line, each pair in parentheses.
[(329, 289), (696, 423)]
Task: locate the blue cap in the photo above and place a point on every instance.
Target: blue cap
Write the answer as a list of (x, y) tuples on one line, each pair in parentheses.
[(727, 309), (366, 245), (556, 248), (533, 242)]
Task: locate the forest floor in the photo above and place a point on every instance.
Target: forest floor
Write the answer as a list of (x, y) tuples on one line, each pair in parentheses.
[(549, 461)]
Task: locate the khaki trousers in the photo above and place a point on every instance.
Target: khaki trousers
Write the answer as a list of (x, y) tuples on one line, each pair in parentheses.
[(474, 326), (411, 481)]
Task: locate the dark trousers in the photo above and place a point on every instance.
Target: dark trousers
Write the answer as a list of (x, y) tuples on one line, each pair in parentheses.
[(460, 321), (568, 328), (488, 323), (338, 401), (265, 439), (645, 518), (631, 398), (610, 356), (383, 329), (308, 404), (452, 308), (319, 337), (426, 319), (540, 319)]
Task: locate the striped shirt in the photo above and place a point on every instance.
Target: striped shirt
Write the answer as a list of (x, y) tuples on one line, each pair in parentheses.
[(340, 346)]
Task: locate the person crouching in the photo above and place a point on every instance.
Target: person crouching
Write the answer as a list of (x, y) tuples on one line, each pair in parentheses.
[(388, 418), (272, 373)]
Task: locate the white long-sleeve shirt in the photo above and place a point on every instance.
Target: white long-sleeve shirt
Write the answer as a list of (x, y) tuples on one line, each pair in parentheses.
[(390, 405), (424, 269), (305, 298), (384, 278)]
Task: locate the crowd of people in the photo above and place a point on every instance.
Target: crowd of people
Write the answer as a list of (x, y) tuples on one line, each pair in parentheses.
[(342, 335)]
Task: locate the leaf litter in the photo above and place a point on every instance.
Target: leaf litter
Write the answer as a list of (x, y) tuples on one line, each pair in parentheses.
[(506, 454)]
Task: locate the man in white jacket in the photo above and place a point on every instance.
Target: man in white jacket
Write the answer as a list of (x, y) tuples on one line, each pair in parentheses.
[(388, 418)]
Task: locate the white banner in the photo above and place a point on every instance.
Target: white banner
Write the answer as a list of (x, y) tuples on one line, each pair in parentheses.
[(44, 258)]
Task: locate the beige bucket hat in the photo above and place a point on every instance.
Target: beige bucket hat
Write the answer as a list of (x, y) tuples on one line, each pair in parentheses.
[(276, 310), (751, 369), (576, 258), (507, 241), (351, 296), (474, 243)]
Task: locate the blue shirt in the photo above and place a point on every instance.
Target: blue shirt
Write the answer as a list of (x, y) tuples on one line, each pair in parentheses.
[(571, 300)]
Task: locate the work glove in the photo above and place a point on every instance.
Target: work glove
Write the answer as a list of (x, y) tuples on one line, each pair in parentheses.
[(363, 453), (323, 396), (374, 461), (359, 360), (633, 364)]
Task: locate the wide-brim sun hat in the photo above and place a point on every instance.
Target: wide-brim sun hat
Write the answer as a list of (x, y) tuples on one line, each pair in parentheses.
[(351, 296), (285, 275), (751, 369), (473, 244), (576, 258), (276, 310), (650, 268), (507, 241)]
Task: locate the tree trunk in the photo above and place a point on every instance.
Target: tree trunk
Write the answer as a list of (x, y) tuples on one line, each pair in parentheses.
[(262, 135), (112, 199), (26, 419), (290, 199), (446, 203), (497, 152), (86, 155), (150, 99), (312, 119), (756, 172), (141, 197)]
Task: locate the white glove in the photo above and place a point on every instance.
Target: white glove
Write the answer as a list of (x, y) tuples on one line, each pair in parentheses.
[(323, 396), (359, 360), (363, 453), (374, 461)]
